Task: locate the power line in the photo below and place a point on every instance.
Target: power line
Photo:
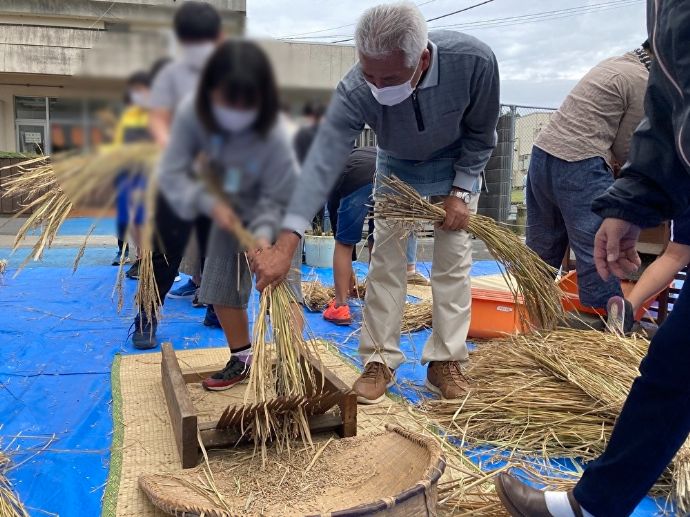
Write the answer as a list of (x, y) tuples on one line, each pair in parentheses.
[(539, 16), (299, 35), (437, 17), (460, 10), (521, 19)]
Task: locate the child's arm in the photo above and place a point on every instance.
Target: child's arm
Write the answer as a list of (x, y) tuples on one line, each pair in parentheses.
[(660, 274), (278, 180)]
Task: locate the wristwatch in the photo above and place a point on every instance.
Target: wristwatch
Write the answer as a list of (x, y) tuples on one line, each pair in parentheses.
[(463, 195)]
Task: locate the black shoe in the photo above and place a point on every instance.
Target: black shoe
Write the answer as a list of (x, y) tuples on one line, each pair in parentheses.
[(234, 372), (133, 271), (211, 319), (144, 337), (196, 303)]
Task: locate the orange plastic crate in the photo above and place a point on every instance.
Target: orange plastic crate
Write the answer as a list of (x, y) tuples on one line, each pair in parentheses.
[(494, 314), (571, 298)]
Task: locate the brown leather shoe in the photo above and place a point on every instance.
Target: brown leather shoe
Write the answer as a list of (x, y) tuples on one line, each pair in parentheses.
[(445, 378), (524, 501), (371, 385)]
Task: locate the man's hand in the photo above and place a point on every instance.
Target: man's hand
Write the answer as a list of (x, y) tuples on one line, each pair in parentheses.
[(614, 248), (457, 214), (273, 264), (224, 216)]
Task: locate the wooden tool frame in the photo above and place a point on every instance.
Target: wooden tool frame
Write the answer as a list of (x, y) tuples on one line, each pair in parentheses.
[(185, 421)]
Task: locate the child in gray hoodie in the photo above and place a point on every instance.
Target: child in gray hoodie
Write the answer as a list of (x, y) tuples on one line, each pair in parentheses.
[(246, 177)]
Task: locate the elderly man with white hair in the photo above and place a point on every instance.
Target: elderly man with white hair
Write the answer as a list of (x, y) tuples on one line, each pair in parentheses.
[(433, 101)]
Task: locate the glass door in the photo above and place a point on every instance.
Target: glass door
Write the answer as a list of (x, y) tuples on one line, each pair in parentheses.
[(31, 137)]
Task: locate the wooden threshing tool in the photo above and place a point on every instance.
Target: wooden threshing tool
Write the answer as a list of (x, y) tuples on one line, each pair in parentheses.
[(232, 426)]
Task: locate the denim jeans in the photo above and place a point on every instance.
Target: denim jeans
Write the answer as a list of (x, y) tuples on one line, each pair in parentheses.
[(559, 212), (653, 424)]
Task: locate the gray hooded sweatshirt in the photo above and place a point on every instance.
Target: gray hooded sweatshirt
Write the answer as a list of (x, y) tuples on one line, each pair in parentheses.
[(257, 173)]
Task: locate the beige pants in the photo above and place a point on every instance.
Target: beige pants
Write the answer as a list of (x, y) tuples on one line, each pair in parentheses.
[(387, 290)]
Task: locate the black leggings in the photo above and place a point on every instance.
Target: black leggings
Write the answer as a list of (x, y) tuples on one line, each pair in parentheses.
[(171, 236)]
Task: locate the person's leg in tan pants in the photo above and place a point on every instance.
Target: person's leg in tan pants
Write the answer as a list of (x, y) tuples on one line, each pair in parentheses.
[(379, 345), (384, 302)]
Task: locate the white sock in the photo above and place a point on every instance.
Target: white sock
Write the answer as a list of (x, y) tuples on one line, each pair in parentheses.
[(558, 504), (245, 356)]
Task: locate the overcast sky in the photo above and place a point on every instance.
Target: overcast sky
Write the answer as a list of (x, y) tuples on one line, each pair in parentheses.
[(540, 60)]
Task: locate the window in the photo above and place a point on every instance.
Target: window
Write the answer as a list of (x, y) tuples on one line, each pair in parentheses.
[(51, 125)]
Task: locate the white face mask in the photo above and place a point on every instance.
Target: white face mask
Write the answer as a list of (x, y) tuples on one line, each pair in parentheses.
[(391, 95), (196, 54), (139, 98), (234, 120)]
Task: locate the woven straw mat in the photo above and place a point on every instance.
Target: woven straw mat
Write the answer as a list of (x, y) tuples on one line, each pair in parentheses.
[(143, 441)]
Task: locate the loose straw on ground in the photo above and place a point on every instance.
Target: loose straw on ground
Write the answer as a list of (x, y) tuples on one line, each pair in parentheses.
[(10, 505), (397, 202), (556, 394)]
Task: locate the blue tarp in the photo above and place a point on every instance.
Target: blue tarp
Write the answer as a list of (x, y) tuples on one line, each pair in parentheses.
[(59, 332)]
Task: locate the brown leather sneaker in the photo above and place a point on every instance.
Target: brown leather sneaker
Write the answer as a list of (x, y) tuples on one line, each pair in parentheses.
[(524, 501), (371, 385), (445, 378)]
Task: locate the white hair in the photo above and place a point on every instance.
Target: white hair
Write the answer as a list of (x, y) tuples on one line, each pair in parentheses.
[(386, 28)]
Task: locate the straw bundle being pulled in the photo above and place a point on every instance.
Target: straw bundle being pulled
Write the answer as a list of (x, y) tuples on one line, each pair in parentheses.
[(557, 394), (396, 201)]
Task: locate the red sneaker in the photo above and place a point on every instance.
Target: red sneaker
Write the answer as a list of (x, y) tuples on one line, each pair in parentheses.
[(340, 315), (233, 373)]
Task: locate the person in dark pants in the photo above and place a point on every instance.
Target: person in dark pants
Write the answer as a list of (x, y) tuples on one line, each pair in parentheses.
[(572, 163), (198, 30), (653, 186), (302, 143)]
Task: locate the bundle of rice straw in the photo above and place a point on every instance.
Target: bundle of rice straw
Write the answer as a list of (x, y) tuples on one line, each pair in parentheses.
[(10, 505), (416, 316), (53, 186), (280, 372), (556, 394), (396, 201), (316, 295)]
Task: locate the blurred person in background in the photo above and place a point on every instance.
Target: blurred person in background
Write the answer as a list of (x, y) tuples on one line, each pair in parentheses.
[(348, 206), (573, 161), (198, 30), (248, 174), (433, 101), (130, 185), (303, 139)]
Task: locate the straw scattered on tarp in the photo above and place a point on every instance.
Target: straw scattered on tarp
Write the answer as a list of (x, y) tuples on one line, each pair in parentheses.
[(554, 394)]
